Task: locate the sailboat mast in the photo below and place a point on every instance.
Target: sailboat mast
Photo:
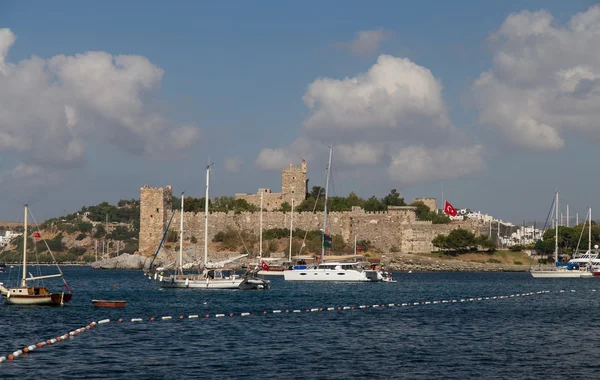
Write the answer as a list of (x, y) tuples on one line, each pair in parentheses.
[(24, 280), (556, 229), (325, 209), (291, 230), (590, 234), (181, 237), (260, 228), (206, 216)]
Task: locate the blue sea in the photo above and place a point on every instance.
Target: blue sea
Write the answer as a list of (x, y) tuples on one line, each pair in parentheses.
[(553, 335)]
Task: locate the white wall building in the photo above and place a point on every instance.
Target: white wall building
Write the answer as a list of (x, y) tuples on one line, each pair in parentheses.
[(6, 237)]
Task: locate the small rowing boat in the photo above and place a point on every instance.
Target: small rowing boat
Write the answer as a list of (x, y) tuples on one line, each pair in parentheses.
[(109, 303)]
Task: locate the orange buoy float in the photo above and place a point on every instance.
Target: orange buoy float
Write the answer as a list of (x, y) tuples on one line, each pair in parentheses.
[(11, 357)]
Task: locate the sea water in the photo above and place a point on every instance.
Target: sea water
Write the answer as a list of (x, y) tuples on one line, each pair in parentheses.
[(551, 335)]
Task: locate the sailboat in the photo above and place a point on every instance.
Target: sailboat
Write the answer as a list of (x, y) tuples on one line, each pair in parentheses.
[(34, 295), (331, 270), (214, 275), (561, 270)]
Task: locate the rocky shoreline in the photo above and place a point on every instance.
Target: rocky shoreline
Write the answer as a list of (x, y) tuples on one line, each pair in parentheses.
[(397, 263), (416, 263)]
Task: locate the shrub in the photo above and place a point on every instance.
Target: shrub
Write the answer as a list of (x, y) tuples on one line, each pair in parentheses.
[(494, 261), (172, 236), (81, 237), (517, 262), (516, 248), (193, 240), (393, 248)]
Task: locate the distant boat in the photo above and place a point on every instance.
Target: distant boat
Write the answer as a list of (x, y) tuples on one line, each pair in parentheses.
[(2, 267), (34, 295), (109, 303), (564, 270)]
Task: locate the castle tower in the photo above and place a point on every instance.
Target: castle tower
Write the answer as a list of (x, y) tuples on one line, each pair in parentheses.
[(429, 202), (293, 183), (155, 211)]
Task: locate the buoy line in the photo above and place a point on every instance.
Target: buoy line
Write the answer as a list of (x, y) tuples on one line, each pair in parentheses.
[(51, 341), (78, 331)]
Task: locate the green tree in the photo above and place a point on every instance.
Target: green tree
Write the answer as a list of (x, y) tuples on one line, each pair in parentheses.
[(393, 199), (285, 207), (85, 227), (373, 204)]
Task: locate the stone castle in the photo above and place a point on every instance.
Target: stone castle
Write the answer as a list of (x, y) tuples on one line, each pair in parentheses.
[(294, 185), (396, 229)]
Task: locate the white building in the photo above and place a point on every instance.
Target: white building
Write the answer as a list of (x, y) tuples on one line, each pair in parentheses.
[(6, 237)]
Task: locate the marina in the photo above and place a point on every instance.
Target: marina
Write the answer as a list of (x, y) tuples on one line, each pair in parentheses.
[(459, 309)]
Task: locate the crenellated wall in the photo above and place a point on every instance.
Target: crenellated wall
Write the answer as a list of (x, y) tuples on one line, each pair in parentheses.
[(396, 228)]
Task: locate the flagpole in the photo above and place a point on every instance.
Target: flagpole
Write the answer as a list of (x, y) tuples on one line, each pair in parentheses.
[(443, 204)]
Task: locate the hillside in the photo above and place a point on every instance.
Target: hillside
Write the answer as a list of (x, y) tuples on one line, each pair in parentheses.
[(103, 230)]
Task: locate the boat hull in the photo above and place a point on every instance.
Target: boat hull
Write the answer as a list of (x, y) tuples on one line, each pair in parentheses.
[(48, 300), (270, 273), (331, 275), (561, 274), (201, 283), (108, 303)]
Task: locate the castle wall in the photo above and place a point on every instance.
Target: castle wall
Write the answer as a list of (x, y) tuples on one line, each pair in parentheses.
[(155, 206), (271, 201), (396, 230)]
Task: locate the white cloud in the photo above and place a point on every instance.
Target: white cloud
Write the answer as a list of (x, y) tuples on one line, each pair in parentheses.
[(415, 164), (272, 158), (50, 109), (545, 79), (233, 164), (387, 117), (365, 42)]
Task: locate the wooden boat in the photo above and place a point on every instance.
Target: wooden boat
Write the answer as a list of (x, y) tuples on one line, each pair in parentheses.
[(34, 295), (109, 303)]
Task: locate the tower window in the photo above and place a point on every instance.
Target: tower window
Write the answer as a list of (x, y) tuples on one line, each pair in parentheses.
[(157, 209)]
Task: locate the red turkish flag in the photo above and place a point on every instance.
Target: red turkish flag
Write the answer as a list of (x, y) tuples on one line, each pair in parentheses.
[(448, 209), (37, 235), (264, 265)]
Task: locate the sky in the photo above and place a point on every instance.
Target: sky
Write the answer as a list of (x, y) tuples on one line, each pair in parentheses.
[(492, 105)]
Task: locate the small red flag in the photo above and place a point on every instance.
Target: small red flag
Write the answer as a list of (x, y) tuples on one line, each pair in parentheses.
[(37, 235), (448, 209), (264, 265)]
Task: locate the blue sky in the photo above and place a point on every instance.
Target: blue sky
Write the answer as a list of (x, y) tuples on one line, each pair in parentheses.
[(235, 74)]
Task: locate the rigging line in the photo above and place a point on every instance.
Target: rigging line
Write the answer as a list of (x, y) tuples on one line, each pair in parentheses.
[(314, 208), (46, 243), (587, 215), (194, 181)]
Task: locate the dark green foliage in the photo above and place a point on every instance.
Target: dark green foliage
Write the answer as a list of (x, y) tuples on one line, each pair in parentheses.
[(393, 199), (172, 236), (285, 207), (516, 248), (81, 237), (193, 240), (373, 204), (76, 251), (458, 240), (55, 244), (85, 227), (424, 213), (122, 233), (100, 231)]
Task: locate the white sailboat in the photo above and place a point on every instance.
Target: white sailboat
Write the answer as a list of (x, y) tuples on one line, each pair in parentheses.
[(332, 270), (560, 270), (210, 278), (33, 295)]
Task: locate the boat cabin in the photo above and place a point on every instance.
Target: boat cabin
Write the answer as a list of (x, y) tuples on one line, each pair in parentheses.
[(30, 291)]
